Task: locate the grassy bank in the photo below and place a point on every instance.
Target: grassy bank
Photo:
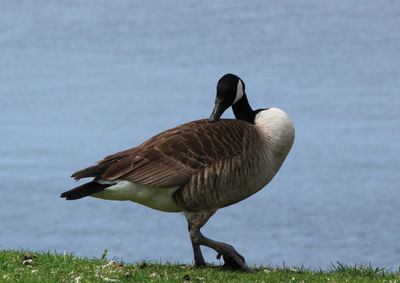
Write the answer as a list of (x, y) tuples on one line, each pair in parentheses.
[(49, 267)]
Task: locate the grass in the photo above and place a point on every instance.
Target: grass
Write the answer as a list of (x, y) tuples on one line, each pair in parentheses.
[(21, 266)]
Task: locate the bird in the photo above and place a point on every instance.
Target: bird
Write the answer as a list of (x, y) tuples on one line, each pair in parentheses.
[(198, 167)]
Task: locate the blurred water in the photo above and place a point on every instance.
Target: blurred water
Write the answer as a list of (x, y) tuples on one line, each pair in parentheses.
[(79, 81)]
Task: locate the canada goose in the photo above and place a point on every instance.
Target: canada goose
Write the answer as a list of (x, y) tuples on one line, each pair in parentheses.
[(198, 167)]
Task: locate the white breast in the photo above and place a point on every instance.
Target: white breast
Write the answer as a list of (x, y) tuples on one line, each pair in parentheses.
[(156, 198), (277, 132), (276, 128)]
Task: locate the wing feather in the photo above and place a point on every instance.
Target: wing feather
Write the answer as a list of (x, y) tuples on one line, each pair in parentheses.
[(172, 157)]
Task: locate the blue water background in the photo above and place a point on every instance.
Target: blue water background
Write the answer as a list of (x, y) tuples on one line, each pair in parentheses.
[(81, 80)]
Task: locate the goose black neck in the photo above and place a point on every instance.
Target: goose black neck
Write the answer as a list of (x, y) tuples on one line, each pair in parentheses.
[(243, 111)]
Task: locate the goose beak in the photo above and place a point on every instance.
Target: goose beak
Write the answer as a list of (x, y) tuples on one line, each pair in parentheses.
[(217, 112)]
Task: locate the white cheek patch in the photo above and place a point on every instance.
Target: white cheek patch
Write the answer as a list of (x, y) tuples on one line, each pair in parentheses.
[(239, 92)]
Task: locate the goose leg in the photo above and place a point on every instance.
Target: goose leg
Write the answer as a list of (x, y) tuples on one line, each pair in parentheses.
[(229, 262), (232, 259), (198, 256)]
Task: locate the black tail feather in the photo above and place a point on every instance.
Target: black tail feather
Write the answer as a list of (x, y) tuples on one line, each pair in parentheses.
[(84, 190)]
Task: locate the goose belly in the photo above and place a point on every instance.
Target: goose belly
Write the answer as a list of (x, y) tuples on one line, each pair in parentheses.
[(223, 185), (227, 183), (156, 198)]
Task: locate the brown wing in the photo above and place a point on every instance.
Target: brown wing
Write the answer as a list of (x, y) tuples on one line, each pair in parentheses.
[(172, 157)]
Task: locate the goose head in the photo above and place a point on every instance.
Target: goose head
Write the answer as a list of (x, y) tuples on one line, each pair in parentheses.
[(231, 92)]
